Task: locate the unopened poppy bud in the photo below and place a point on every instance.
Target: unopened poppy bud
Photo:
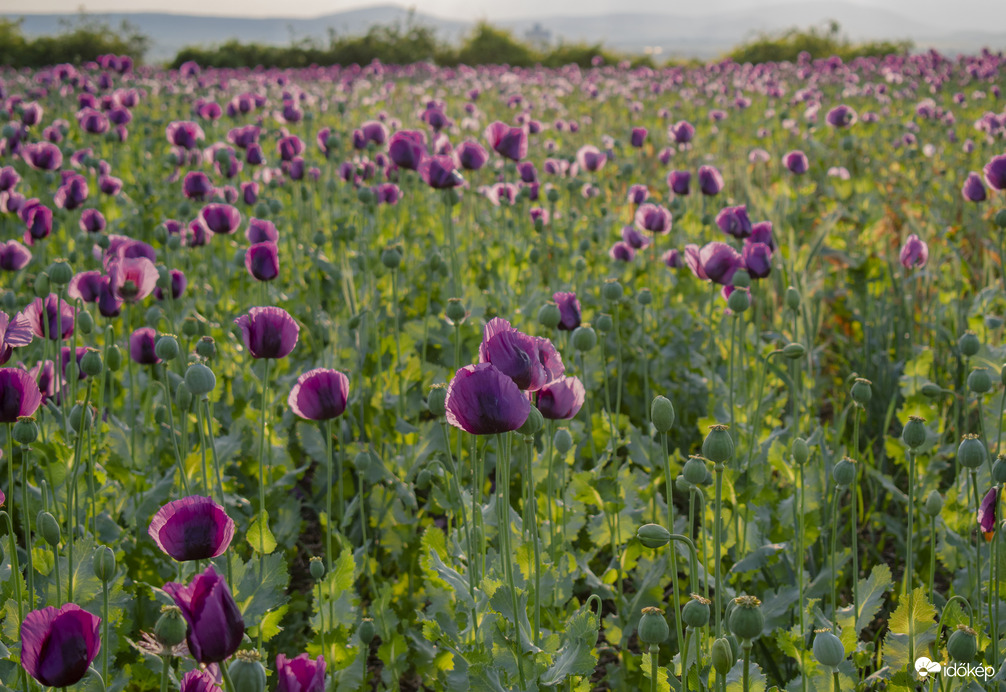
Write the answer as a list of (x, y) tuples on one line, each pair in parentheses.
[(800, 450), (153, 315), (844, 472), (934, 504), (1000, 218), (41, 285), (60, 272), (931, 390), (792, 299), (48, 527), (828, 649), (317, 568), (604, 323), (579, 264), (653, 535), (695, 614), (391, 257), (85, 323), (963, 644), (247, 672), (999, 470), (914, 432), (612, 290), (969, 344), (77, 413), (190, 327), (199, 379), (741, 279), (535, 421), (361, 462), (104, 564), (25, 432), (170, 628), (695, 471), (534, 255), (746, 619), (436, 400), (90, 363), (653, 627), (971, 452), (183, 396), (644, 296), (456, 312), (584, 338), (166, 347), (549, 315), (723, 656), (794, 351), (662, 413), (562, 440), (979, 381), (718, 446), (206, 348), (113, 358), (862, 391), (367, 631)]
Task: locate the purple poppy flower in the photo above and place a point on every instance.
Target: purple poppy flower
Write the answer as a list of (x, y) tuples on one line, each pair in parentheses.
[(268, 332), (254, 155), (531, 362), (109, 185), (436, 119), (796, 161), (195, 235), (682, 131), (58, 645), (653, 218), (124, 247), (720, 262), (289, 147), (65, 360), (42, 156), (914, 253), (14, 256), (638, 137), (734, 221), (92, 121), (37, 219), (220, 218), (262, 261), (987, 513), (562, 399), (638, 194), (92, 221), (439, 173), (481, 400), (995, 172), (407, 149), (14, 333), (19, 394), (761, 232), (243, 137), (31, 114), (141, 346), (261, 231), (215, 626), (249, 192), (72, 193), (184, 134), (132, 278), (569, 310), (9, 178), (590, 158), (57, 316), (86, 286), (672, 258), (178, 285), (841, 116), (300, 674), (710, 181), (527, 172), (470, 155), (508, 142), (757, 259), (193, 528), (196, 185), (973, 189), (622, 252), (319, 394), (199, 681), (679, 182)]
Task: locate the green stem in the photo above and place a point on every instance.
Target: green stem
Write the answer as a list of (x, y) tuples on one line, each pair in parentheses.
[(717, 543), (533, 526), (396, 308), (27, 527), (55, 561), (654, 651), (464, 521), (672, 556), (165, 667), (854, 524), (834, 563), (262, 472), (910, 555), (104, 622), (978, 553), (328, 496), (503, 509), (228, 683), (747, 664), (587, 409)]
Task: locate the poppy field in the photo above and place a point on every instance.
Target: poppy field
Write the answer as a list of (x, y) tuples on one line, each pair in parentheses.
[(423, 378)]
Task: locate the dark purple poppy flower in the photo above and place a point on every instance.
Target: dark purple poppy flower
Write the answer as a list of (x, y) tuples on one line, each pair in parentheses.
[(387, 193), (261, 231), (326, 141), (679, 182), (761, 232), (757, 259), (634, 238), (31, 114), (672, 258), (197, 185), (210, 111), (569, 310), (638, 194), (527, 172), (254, 155), (184, 133), (621, 251), (470, 155), (481, 400), (14, 333), (120, 116), (590, 158), (124, 247), (215, 626), (195, 235), (178, 285), (65, 360), (193, 528), (44, 374), (220, 218), (141, 346), (973, 189), (300, 674), (268, 332), (109, 185), (109, 305), (638, 137), (86, 286), (132, 278), (296, 168), (682, 131), (914, 253), (439, 173), (436, 119), (653, 218), (407, 149), (199, 681), (531, 362), (995, 172), (9, 178), (508, 142), (289, 147), (57, 316), (319, 394), (19, 394), (734, 221), (562, 399), (72, 193), (92, 221), (58, 645), (42, 156), (262, 261), (243, 137), (92, 121), (37, 219), (720, 262), (710, 181), (796, 161), (841, 116), (987, 513), (14, 256), (249, 192), (11, 202)]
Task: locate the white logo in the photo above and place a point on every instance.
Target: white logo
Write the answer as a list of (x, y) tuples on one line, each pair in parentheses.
[(923, 667)]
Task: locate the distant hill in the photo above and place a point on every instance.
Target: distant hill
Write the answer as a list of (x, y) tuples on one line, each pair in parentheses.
[(702, 36)]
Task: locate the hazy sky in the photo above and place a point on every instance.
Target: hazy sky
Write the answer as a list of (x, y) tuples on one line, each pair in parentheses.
[(960, 14)]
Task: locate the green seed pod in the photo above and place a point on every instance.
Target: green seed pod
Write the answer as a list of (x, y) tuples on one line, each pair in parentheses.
[(844, 472), (993, 321), (723, 656), (113, 358), (934, 504), (695, 614), (41, 285), (580, 264), (792, 299), (25, 432), (170, 628), (828, 649), (1000, 218), (90, 363), (456, 312), (535, 422), (535, 254), (562, 440), (971, 452), (167, 347), (549, 315), (662, 413), (206, 348), (85, 323), (361, 462), (794, 351), (161, 415), (747, 620), (683, 485), (317, 568), (247, 672), (914, 432), (862, 391), (969, 343), (999, 470), (741, 279), (103, 242), (644, 296), (931, 390), (653, 627), (963, 644), (60, 272), (153, 315), (77, 413), (48, 527), (104, 563), (980, 381), (739, 301), (183, 396), (653, 535), (604, 323), (366, 631), (190, 327), (452, 197), (199, 379), (584, 338), (612, 290), (800, 451), (718, 446), (391, 257), (436, 400), (695, 471)]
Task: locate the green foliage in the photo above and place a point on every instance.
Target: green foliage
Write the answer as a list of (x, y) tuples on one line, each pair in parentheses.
[(81, 40), (790, 44)]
